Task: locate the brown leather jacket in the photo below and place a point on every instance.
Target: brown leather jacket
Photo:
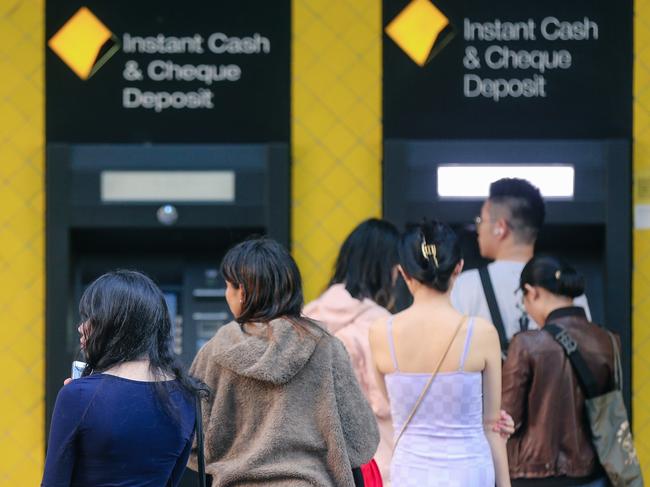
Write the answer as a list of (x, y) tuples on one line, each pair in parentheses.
[(541, 392)]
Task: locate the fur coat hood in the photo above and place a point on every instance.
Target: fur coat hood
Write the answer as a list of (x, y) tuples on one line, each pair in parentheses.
[(276, 360)]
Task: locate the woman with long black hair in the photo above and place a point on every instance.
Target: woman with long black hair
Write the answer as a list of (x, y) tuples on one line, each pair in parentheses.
[(130, 419)]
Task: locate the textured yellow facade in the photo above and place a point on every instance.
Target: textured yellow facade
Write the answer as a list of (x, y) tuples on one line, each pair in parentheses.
[(336, 128), (22, 234), (641, 243)]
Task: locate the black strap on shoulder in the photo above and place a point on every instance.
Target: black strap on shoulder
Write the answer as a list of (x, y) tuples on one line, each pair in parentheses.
[(491, 299), (200, 454), (570, 347), (198, 428)]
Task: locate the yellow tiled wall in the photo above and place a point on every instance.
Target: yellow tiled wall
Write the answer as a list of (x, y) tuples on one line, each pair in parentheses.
[(641, 242), (22, 223), (336, 128)]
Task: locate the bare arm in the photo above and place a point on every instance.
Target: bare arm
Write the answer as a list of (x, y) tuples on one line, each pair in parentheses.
[(492, 404), (516, 381)]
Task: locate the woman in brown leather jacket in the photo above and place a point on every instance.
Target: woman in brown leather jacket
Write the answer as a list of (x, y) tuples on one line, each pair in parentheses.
[(552, 443)]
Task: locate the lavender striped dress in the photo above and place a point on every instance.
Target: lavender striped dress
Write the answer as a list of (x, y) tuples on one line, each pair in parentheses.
[(444, 445)]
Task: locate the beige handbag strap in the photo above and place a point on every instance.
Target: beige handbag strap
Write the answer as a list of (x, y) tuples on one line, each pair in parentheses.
[(428, 384)]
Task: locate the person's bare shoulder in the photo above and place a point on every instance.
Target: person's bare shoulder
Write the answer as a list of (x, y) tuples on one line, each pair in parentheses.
[(377, 331), (378, 336), (485, 330)]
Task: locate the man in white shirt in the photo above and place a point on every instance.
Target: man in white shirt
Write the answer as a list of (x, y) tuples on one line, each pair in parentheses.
[(507, 228)]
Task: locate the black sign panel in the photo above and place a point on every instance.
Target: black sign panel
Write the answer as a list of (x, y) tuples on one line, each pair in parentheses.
[(508, 69), (167, 71)]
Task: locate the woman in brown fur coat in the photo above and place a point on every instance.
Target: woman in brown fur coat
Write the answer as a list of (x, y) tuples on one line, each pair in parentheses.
[(286, 408)]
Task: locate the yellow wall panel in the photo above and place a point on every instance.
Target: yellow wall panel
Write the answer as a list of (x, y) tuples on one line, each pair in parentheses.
[(641, 251), (22, 298), (336, 128)]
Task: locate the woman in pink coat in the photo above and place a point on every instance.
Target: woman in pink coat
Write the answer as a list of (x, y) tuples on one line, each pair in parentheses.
[(361, 292)]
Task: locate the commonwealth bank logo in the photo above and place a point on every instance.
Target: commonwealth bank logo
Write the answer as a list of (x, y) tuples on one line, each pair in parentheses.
[(84, 43), (421, 30)]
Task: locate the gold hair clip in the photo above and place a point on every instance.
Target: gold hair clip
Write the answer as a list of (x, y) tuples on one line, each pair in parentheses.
[(429, 251), (558, 274)]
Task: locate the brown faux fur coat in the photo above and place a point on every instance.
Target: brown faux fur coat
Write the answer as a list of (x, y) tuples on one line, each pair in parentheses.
[(285, 411)]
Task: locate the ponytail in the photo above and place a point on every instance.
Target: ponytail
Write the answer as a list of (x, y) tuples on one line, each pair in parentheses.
[(554, 275), (429, 253)]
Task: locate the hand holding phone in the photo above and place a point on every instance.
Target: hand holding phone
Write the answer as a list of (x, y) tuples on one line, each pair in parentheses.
[(77, 369)]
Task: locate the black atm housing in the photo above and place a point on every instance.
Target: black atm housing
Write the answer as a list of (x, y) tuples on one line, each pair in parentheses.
[(592, 230), (87, 237)]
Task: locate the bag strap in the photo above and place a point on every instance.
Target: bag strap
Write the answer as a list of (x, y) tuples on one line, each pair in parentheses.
[(491, 299), (428, 384), (357, 476), (570, 347), (618, 369), (200, 454)]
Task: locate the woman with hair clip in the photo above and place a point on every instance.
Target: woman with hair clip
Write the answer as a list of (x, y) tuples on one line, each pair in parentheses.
[(360, 292), (441, 372), (287, 408), (130, 419), (547, 448)]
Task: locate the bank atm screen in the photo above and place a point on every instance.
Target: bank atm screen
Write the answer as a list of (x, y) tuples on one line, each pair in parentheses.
[(206, 297)]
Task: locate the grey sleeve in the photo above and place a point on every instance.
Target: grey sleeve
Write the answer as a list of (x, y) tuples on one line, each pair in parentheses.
[(357, 419)]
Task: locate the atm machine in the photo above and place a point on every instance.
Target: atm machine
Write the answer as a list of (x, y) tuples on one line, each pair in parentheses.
[(588, 216), (171, 211)]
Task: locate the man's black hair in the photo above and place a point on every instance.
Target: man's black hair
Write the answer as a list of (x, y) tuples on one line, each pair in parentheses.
[(525, 206)]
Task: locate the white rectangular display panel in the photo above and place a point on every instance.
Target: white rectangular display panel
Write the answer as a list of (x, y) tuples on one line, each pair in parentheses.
[(167, 186), (473, 181)]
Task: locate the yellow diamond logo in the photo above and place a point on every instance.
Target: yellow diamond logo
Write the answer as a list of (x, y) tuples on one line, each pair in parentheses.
[(84, 43), (420, 30)]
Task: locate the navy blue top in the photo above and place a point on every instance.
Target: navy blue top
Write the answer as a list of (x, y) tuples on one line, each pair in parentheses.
[(110, 431)]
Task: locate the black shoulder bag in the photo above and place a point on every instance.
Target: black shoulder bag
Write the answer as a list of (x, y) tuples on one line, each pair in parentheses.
[(491, 299), (608, 421)]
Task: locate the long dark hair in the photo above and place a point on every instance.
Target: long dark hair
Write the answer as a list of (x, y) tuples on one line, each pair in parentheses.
[(434, 272), (127, 319), (271, 282), (554, 275), (366, 261)]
